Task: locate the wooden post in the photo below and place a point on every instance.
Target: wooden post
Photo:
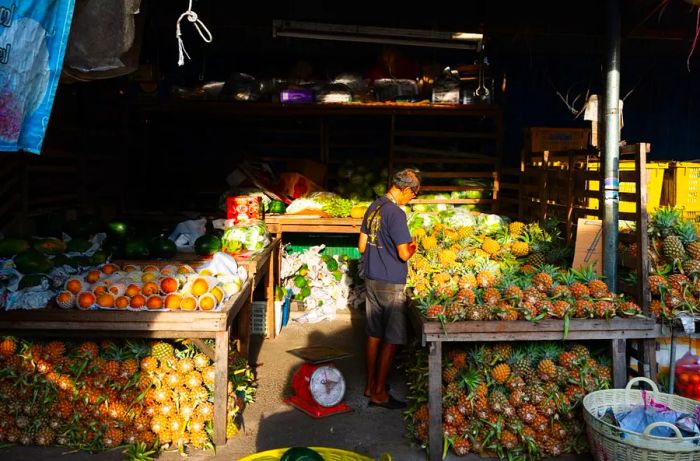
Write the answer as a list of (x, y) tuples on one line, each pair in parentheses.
[(221, 387), (543, 185), (643, 294), (435, 400), (570, 199), (270, 317), (618, 351)]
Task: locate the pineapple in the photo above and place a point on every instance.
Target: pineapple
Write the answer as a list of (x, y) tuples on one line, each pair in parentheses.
[(461, 446), (560, 309), (546, 368), (500, 373), (112, 437), (508, 440), (527, 413), (8, 346), (692, 266), (583, 308), (685, 230), (521, 365), (497, 401), (428, 243), (502, 351), (490, 246), (513, 293), (520, 249), (678, 281), (485, 279), (516, 228), (656, 282), (536, 259), (664, 220), (491, 296), (466, 296), (447, 258), (567, 359), (467, 281), (630, 309), (517, 398), (693, 250), (673, 248), (449, 374), (604, 309), (478, 312), (162, 350), (455, 312), (598, 289), (543, 280)]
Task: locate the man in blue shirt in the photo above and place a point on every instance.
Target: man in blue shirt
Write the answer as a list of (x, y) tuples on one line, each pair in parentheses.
[(386, 246)]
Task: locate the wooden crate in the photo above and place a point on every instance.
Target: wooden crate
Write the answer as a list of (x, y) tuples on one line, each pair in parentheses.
[(557, 185)]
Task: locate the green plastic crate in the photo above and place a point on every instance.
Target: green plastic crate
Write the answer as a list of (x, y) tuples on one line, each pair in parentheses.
[(336, 244)]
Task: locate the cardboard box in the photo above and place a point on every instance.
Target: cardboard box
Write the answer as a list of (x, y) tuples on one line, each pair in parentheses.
[(589, 245), (540, 139)]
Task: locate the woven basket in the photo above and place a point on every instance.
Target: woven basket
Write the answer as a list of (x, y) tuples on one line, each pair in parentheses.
[(613, 443)]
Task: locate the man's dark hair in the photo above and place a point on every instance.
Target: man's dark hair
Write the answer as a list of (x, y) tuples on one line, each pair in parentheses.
[(406, 178)]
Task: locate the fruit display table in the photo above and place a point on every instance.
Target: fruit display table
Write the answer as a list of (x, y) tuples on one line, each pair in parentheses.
[(278, 224), (53, 321), (263, 265), (617, 331)]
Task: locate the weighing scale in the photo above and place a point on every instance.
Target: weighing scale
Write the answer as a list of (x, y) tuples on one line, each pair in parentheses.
[(319, 387)]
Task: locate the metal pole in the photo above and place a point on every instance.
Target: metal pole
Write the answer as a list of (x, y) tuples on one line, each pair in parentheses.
[(611, 152)]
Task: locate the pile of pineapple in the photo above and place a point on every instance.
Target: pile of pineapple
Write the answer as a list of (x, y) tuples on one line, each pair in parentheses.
[(514, 401), (674, 262), (500, 272), (95, 397)]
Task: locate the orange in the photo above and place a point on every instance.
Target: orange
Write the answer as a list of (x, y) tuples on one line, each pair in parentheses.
[(99, 290), (137, 301), (154, 302), (188, 303), (86, 300), (205, 272), (117, 289), (168, 270), (218, 293), (172, 301), (122, 302), (65, 299), (168, 285), (92, 276), (74, 286), (151, 268), (149, 277), (105, 300), (150, 288), (133, 290), (207, 302), (199, 287), (109, 268), (185, 269), (130, 268)]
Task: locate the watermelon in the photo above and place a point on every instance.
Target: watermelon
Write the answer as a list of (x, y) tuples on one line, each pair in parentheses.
[(32, 280), (50, 246), (136, 249), (78, 245), (118, 229), (32, 261), (162, 247), (99, 257), (60, 260), (11, 247), (207, 244), (277, 206)]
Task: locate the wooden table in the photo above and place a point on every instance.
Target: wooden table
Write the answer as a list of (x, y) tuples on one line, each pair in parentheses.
[(53, 321), (617, 330), (264, 265), (278, 224)]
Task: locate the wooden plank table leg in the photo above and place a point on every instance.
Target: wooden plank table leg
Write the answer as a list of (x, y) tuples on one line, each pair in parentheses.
[(243, 329), (619, 362), (650, 353), (221, 387), (435, 400), (270, 317)]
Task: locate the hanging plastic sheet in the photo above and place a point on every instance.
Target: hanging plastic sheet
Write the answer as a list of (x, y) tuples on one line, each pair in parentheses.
[(33, 37)]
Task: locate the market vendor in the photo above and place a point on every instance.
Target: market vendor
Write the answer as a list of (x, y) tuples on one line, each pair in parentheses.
[(386, 246)]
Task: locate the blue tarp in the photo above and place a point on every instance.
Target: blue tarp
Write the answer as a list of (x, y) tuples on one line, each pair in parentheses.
[(33, 37)]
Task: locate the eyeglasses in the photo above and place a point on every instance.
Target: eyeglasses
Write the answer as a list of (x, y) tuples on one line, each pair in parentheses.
[(414, 191)]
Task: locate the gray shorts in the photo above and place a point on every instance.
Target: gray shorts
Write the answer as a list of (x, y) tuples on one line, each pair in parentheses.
[(386, 311)]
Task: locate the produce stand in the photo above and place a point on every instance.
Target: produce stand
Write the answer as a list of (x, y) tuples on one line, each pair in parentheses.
[(262, 265), (432, 333), (53, 321), (278, 224)]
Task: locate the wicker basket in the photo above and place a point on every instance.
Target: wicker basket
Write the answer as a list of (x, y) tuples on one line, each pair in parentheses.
[(328, 454), (613, 443)]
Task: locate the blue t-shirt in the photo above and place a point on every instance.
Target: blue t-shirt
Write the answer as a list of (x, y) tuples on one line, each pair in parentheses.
[(386, 228)]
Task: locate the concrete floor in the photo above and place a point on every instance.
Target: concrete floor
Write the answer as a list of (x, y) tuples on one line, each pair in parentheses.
[(270, 423)]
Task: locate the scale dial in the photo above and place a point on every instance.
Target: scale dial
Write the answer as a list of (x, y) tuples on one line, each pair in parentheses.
[(327, 386)]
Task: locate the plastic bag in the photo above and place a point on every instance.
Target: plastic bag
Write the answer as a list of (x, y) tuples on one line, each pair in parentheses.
[(102, 32), (688, 375), (251, 236), (187, 232)]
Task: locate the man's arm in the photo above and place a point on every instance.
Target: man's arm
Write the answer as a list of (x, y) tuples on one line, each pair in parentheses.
[(406, 250), (362, 243)]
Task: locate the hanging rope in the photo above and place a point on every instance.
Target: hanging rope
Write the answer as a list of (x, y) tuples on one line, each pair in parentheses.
[(695, 40), (199, 25)]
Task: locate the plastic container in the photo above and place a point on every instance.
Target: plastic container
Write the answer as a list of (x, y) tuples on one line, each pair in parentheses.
[(336, 244), (258, 318), (683, 190), (655, 181)]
